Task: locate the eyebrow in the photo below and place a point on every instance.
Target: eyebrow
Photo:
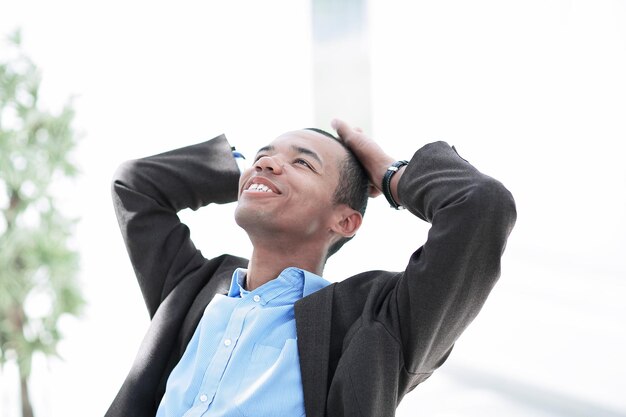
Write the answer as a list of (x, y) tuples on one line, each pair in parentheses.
[(306, 151), (268, 148), (298, 149)]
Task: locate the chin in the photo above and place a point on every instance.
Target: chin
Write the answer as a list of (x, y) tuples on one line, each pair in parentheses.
[(240, 216), (250, 217)]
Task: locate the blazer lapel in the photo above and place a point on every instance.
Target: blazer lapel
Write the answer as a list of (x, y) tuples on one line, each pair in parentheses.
[(216, 282), (313, 325)]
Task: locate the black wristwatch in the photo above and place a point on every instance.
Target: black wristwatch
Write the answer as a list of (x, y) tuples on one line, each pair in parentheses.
[(391, 171)]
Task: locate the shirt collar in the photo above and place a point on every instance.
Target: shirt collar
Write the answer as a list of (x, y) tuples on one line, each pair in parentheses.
[(237, 283), (312, 283), (293, 275)]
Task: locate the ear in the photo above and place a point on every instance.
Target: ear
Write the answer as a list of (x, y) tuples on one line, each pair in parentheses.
[(346, 221)]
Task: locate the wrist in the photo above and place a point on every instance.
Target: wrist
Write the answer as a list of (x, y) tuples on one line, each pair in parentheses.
[(389, 184), (377, 170)]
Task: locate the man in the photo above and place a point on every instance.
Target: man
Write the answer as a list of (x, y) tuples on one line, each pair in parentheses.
[(269, 336)]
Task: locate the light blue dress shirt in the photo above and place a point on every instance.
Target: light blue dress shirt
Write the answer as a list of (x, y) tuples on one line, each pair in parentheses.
[(243, 357)]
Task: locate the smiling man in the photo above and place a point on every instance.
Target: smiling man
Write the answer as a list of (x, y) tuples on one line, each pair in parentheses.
[(269, 336)]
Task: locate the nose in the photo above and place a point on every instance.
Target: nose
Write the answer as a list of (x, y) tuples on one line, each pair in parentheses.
[(268, 163)]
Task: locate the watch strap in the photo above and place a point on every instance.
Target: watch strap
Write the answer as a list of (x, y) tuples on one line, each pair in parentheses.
[(386, 186)]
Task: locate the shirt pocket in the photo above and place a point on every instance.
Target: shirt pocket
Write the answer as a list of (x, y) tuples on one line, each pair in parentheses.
[(271, 384), (256, 373), (258, 368)]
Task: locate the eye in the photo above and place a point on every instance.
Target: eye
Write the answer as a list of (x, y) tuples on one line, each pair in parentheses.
[(303, 162), (259, 157)]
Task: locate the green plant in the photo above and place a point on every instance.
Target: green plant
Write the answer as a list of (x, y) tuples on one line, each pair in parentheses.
[(37, 266)]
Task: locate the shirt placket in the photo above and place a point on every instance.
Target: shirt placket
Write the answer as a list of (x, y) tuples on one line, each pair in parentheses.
[(215, 371)]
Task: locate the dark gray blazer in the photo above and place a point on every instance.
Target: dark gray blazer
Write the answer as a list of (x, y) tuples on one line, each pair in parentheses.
[(363, 342)]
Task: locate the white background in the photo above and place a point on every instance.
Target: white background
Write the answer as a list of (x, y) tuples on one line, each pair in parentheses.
[(532, 93)]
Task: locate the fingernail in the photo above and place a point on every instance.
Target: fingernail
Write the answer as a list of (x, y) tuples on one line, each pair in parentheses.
[(333, 124)]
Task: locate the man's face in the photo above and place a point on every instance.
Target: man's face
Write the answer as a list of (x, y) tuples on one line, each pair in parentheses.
[(288, 191)]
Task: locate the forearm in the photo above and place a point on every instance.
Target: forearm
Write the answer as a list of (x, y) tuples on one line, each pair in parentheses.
[(188, 177), (147, 194)]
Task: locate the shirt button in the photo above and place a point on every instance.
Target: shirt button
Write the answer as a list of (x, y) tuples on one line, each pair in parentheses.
[(203, 398), (256, 298), (227, 342)]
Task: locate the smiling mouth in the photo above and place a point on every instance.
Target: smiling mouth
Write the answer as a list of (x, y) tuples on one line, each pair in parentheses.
[(261, 186)]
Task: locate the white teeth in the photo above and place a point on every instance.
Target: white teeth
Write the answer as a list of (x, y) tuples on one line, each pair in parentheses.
[(259, 187)]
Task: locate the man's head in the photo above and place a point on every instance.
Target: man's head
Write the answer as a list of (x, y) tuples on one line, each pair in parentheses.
[(305, 186)]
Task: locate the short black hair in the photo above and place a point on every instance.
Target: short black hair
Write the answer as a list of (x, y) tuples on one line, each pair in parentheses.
[(352, 188)]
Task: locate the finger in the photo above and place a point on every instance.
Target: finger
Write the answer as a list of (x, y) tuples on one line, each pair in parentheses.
[(343, 129), (358, 129)]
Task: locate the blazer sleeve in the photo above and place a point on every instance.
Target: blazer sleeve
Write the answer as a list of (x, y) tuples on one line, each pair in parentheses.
[(449, 278), (148, 193)]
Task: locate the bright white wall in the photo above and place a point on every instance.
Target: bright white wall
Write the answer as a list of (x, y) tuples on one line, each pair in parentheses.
[(531, 92)]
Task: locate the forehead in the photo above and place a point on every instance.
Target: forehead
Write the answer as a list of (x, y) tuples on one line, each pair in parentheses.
[(328, 149)]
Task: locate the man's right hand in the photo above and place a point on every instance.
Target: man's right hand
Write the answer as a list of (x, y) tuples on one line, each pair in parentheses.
[(370, 154)]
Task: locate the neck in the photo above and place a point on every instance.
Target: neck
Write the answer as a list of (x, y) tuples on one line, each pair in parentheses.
[(268, 261)]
